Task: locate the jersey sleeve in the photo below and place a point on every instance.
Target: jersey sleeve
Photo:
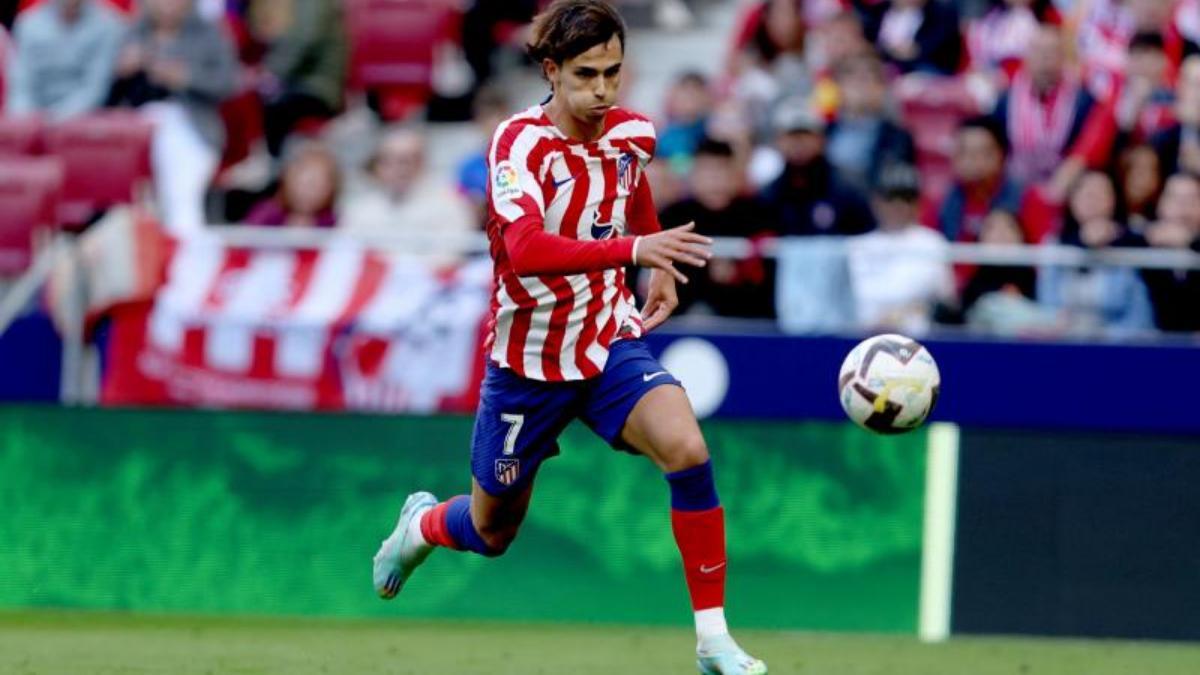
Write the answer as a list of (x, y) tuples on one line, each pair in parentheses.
[(643, 215), (514, 193), (638, 132), (533, 251)]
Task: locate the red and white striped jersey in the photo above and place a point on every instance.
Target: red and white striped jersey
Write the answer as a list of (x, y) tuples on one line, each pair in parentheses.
[(559, 327)]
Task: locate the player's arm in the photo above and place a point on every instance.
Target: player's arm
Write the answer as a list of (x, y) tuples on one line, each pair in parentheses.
[(517, 201), (533, 251), (661, 297)]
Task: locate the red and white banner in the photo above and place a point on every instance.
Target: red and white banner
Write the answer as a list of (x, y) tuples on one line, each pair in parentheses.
[(337, 328)]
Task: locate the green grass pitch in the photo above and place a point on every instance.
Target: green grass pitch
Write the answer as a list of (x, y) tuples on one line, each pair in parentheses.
[(79, 643)]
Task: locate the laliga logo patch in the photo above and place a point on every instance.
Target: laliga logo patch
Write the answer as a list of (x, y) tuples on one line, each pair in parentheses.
[(507, 470), (505, 183)]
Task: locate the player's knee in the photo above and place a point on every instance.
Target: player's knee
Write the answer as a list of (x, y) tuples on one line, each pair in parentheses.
[(685, 452), (498, 539)]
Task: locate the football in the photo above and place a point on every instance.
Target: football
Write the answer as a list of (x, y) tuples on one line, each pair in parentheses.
[(889, 384)]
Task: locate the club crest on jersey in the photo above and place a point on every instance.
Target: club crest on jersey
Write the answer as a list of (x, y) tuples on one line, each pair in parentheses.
[(625, 172), (507, 470), (505, 182)]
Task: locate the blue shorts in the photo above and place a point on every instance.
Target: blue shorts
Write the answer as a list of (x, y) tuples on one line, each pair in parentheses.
[(519, 419)]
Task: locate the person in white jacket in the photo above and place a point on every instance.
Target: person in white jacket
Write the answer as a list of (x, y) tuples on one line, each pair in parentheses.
[(898, 272), (403, 196)]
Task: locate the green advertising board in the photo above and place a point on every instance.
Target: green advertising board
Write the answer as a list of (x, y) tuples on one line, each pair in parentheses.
[(269, 513)]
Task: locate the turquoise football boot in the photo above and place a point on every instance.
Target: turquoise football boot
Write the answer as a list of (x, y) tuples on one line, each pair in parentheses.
[(723, 656), (400, 554)]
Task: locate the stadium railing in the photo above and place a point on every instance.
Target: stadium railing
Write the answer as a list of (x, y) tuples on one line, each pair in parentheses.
[(727, 247), (75, 387)]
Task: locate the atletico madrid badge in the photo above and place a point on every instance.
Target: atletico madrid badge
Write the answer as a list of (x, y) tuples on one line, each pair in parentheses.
[(625, 172), (507, 470)]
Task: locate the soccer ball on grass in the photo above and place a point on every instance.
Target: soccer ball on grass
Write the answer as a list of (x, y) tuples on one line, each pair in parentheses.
[(889, 384)]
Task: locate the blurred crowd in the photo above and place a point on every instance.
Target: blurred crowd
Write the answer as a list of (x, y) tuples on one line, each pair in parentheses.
[(901, 125)]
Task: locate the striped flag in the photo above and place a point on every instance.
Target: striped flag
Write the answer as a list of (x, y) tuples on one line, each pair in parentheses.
[(337, 328)]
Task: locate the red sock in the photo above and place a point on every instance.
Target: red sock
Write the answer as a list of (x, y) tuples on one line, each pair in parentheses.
[(434, 528), (701, 539)]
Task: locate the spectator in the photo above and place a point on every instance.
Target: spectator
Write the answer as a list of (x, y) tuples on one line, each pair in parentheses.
[(916, 35), (178, 68), (1141, 184), (998, 40), (898, 273), (1104, 31), (1044, 111), (1095, 300), (1104, 36), (1179, 145), (864, 140), (63, 58), (743, 288), (1175, 294), (1145, 100), (768, 61), (980, 184), (1000, 228), (688, 104), (483, 26), (730, 121), (402, 196), (841, 37), (1185, 28), (491, 108), (308, 191), (768, 30), (809, 197), (999, 299), (304, 66)]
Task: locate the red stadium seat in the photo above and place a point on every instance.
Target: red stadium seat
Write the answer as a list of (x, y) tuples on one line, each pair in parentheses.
[(392, 45), (21, 135), (105, 157), (30, 188)]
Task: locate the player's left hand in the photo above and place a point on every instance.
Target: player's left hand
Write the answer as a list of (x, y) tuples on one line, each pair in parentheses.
[(661, 299)]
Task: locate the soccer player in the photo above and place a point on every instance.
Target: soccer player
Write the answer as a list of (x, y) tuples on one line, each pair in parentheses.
[(567, 181)]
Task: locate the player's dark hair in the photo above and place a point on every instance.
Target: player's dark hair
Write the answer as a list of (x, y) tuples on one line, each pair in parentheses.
[(989, 124), (569, 28), (712, 147)]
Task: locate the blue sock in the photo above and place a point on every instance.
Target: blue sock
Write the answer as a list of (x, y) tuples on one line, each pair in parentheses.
[(693, 489), (458, 523)]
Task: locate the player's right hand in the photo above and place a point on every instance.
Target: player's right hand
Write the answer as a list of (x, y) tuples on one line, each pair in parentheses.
[(662, 250)]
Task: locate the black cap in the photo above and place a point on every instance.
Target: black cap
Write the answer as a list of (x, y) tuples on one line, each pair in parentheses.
[(899, 181)]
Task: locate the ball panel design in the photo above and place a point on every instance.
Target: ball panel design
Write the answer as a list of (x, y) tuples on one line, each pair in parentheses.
[(888, 384)]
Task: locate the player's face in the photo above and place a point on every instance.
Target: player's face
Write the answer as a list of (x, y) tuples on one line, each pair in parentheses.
[(587, 85)]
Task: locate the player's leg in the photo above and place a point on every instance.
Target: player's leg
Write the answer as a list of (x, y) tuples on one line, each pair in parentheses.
[(516, 428), (637, 404), (663, 427), (482, 523)]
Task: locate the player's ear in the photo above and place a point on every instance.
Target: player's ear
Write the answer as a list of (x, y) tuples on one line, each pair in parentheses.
[(552, 70)]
